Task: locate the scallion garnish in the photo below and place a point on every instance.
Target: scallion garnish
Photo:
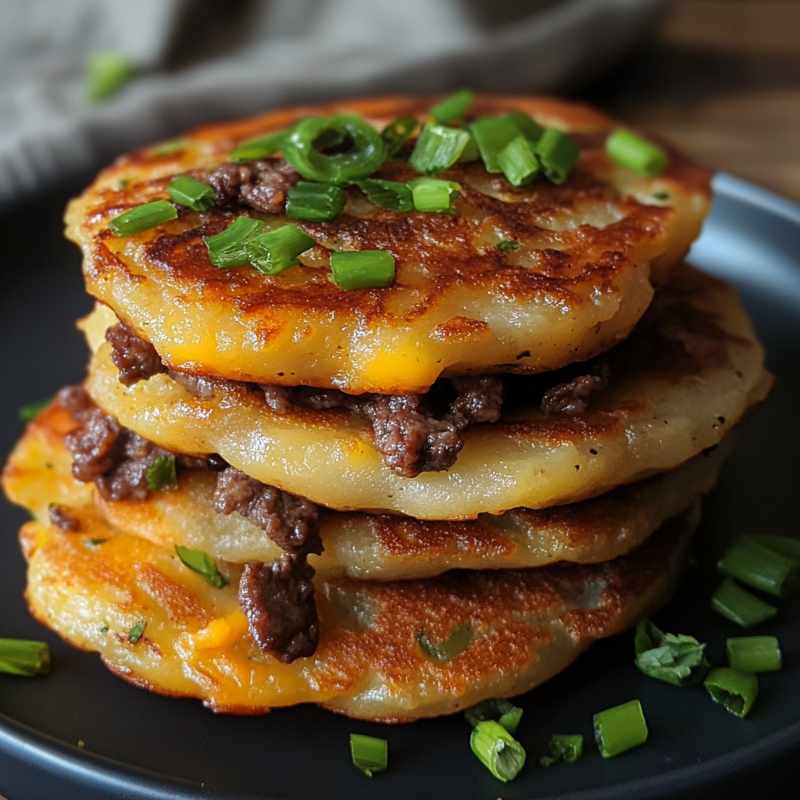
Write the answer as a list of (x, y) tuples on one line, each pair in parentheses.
[(317, 202), (362, 269), (492, 134), (202, 564), (563, 749), (364, 155), (740, 606), (785, 545), (453, 107), (454, 645), (162, 473), (735, 691), (107, 71), (754, 653), (24, 657), (433, 194), (519, 163), (497, 750), (507, 245), (387, 194), (397, 133), (558, 152), (276, 250), (30, 411), (137, 631), (187, 191), (438, 147), (369, 753), (760, 567), (228, 248), (142, 217), (507, 714), (168, 148), (635, 153), (259, 147), (620, 728), (673, 658)]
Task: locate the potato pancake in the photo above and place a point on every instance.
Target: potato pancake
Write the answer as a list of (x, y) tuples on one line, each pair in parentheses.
[(580, 272)]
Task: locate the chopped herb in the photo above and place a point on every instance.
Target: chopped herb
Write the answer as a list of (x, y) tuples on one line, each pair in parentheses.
[(438, 147), (620, 728), (735, 691), (107, 71), (369, 753), (740, 606), (186, 191), (228, 248), (362, 269), (507, 245), (434, 194), (259, 147), (397, 133), (24, 657), (558, 153), (636, 153), (453, 107), (32, 410), (96, 542), (393, 195), (316, 202), (455, 644), (760, 567), (142, 217), (785, 545), (202, 564), (754, 653), (103, 628), (137, 631), (563, 749), (519, 162), (672, 658), (507, 714), (162, 473), (168, 147), (122, 183), (274, 251), (497, 750), (662, 197)]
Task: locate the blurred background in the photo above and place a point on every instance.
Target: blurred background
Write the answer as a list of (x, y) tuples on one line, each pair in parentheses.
[(84, 80)]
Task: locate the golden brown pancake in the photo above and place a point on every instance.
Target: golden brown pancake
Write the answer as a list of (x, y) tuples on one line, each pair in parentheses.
[(684, 378), (590, 252)]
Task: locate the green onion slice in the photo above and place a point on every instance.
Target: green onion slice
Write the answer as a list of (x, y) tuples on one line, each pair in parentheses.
[(740, 606), (107, 71), (202, 564), (453, 107), (162, 473), (507, 714), (363, 269), (735, 691), (785, 545), (519, 162), (760, 567), (754, 653), (187, 191), (620, 728), (259, 147), (168, 148), (492, 134), (438, 147), (563, 749), (228, 248), (673, 658), (142, 217), (497, 750), (635, 153), (30, 411), (276, 250), (24, 657), (507, 245), (393, 195), (365, 154), (137, 631), (317, 202), (397, 133), (433, 194), (558, 153), (454, 645), (369, 753)]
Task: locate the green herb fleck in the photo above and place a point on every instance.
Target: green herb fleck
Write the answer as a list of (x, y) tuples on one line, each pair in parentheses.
[(137, 631), (668, 657), (455, 644), (162, 473), (107, 71), (104, 628), (32, 410), (507, 714), (202, 564), (563, 749), (168, 147), (507, 245)]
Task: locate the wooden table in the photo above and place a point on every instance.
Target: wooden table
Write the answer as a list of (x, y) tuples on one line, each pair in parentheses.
[(721, 79)]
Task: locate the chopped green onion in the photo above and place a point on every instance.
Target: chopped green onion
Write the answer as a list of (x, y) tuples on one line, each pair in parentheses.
[(438, 147), (433, 194), (194, 194), (785, 545), (361, 159), (107, 71), (362, 269), (202, 564), (259, 147), (734, 691), (32, 410), (24, 657), (497, 750), (635, 153), (492, 134), (672, 658), (760, 567), (507, 245), (276, 250), (519, 163), (620, 728), (137, 631), (453, 107), (530, 129), (369, 753), (228, 248), (563, 749), (397, 133), (96, 541), (387, 194), (507, 714), (470, 152), (318, 202), (740, 606), (142, 217), (754, 653), (103, 628), (168, 147), (162, 473), (454, 645), (558, 153)]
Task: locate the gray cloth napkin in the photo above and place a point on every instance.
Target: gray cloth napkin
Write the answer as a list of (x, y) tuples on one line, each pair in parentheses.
[(202, 60)]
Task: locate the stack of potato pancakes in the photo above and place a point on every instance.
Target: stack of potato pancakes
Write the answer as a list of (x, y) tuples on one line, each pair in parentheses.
[(392, 406)]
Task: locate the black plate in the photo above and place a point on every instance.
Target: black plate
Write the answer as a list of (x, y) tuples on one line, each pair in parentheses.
[(142, 746)]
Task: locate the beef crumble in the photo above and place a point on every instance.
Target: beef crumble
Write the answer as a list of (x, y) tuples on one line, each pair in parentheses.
[(261, 185), (135, 358), (573, 397), (60, 517)]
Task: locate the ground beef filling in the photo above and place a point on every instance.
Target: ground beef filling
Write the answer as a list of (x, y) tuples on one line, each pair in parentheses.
[(135, 358), (261, 185), (574, 396), (61, 518), (278, 598)]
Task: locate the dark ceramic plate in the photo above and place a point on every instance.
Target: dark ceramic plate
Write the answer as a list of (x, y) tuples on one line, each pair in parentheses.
[(142, 746)]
